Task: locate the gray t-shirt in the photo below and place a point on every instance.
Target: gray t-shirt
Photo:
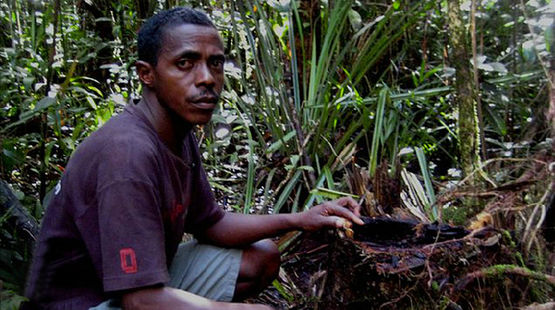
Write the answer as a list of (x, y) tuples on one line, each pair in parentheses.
[(118, 215)]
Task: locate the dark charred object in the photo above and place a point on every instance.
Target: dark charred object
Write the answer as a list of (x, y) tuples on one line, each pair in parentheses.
[(386, 231)]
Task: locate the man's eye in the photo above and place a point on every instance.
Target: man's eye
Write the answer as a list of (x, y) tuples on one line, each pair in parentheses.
[(184, 63), (218, 63)]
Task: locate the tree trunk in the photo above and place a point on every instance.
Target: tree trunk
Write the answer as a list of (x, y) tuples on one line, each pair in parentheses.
[(473, 32), (551, 112), (467, 120)]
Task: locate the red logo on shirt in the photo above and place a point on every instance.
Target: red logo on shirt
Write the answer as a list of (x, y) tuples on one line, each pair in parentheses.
[(176, 211), (128, 260)]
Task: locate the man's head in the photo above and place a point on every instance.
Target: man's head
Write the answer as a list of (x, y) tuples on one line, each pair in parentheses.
[(181, 58), (150, 35)]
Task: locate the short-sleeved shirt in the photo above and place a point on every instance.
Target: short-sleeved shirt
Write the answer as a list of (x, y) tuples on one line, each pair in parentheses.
[(116, 218)]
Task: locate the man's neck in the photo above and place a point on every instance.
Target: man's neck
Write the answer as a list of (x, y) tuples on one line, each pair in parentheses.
[(170, 128)]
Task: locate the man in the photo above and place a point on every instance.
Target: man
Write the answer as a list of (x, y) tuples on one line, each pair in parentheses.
[(111, 234)]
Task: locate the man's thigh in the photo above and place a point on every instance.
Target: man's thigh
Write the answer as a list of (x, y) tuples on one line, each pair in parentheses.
[(206, 270), (201, 269)]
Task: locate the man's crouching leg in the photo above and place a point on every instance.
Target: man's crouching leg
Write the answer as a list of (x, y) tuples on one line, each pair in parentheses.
[(259, 267)]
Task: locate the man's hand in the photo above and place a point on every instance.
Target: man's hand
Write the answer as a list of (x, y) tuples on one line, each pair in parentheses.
[(340, 213)]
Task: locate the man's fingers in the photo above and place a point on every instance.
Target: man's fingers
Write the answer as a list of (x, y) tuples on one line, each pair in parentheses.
[(341, 211), (350, 203), (337, 222)]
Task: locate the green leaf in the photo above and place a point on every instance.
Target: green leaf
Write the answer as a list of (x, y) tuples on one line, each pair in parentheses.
[(432, 210), (91, 102), (332, 194), (378, 129), (355, 19), (28, 82), (287, 191), (281, 142), (282, 291), (44, 103)]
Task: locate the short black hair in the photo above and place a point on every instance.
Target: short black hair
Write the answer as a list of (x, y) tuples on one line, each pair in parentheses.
[(149, 40)]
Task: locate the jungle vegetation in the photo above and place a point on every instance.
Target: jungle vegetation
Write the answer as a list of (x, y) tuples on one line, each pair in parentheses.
[(454, 98)]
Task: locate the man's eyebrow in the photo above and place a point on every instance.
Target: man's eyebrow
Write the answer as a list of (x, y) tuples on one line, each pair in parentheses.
[(189, 54), (218, 57)]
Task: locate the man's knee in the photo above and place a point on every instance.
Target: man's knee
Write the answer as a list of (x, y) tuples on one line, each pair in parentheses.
[(259, 266), (271, 257), (264, 258)]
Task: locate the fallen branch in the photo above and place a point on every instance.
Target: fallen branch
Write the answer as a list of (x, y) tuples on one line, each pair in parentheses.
[(535, 306), (497, 270)]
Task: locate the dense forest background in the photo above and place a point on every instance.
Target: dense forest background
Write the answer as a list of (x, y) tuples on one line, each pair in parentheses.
[(451, 101)]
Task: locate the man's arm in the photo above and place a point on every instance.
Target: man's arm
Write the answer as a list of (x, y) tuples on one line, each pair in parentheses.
[(239, 229), (171, 298)]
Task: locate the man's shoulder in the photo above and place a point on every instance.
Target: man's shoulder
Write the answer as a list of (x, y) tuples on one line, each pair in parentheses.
[(125, 124), (121, 139), (126, 129)]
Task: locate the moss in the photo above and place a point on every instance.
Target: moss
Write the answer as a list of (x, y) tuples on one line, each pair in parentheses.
[(519, 259), (507, 236), (435, 286), (510, 241), (497, 270), (455, 215)]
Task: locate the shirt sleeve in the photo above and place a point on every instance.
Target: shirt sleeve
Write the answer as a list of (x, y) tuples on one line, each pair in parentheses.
[(130, 223)]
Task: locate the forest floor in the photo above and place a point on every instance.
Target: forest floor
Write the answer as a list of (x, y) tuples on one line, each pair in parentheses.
[(500, 260), (402, 269)]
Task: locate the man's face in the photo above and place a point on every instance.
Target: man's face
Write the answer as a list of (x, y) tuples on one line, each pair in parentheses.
[(189, 74)]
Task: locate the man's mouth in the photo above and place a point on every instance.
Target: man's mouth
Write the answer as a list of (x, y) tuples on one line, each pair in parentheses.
[(206, 103)]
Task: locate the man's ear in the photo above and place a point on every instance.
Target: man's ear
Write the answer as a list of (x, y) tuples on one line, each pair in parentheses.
[(145, 71)]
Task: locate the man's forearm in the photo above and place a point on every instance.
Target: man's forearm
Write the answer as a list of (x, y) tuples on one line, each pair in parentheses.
[(171, 298), (240, 229)]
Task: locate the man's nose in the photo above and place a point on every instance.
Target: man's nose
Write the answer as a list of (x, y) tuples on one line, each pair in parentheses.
[(205, 76)]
